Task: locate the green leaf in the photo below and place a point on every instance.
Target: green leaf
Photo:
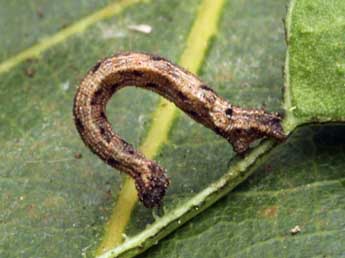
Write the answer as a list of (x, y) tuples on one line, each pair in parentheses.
[(315, 63), (55, 204), (24, 24)]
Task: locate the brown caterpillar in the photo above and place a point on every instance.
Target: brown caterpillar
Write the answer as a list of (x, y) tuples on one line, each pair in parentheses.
[(239, 126)]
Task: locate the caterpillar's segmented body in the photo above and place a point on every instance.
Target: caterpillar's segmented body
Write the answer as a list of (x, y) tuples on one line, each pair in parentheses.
[(239, 126)]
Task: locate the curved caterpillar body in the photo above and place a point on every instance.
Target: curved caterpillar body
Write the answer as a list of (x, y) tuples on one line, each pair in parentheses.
[(239, 126)]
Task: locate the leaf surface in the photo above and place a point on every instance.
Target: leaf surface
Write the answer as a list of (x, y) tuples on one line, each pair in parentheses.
[(315, 68), (53, 202)]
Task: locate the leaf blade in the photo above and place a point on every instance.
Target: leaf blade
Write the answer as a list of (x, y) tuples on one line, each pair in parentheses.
[(315, 61)]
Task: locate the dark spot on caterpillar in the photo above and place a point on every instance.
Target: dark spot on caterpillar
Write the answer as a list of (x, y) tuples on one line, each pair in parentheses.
[(125, 74), (96, 66), (128, 75), (228, 112), (105, 133), (220, 132), (205, 87), (78, 124), (280, 115), (113, 162), (193, 113), (129, 149), (114, 87), (93, 101), (151, 85), (102, 115), (157, 58), (181, 96), (96, 98), (138, 74)]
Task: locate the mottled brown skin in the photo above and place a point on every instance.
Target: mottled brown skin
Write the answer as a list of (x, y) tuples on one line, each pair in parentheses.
[(239, 126)]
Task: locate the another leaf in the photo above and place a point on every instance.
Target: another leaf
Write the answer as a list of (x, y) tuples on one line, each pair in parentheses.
[(315, 65)]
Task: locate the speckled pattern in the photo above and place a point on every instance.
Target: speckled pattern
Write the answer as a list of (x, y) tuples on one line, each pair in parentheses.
[(239, 126)]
